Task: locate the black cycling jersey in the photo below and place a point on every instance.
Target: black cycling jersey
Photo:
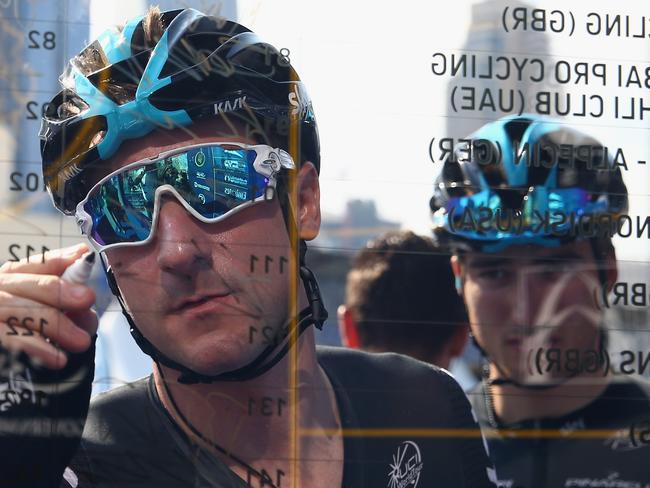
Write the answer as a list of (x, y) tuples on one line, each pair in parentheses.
[(616, 456), (42, 414), (130, 441)]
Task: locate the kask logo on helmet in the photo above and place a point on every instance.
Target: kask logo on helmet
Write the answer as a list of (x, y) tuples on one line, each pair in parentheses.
[(229, 105)]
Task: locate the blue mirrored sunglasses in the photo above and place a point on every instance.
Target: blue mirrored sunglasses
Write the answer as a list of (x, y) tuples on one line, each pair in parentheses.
[(212, 181), (544, 213)]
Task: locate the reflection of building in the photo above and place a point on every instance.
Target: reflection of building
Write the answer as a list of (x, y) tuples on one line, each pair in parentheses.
[(331, 253), (359, 224), (487, 38), (37, 38)]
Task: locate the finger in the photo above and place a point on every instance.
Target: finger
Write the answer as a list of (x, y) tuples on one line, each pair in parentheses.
[(47, 290), (48, 321), (36, 347), (85, 319), (52, 262)]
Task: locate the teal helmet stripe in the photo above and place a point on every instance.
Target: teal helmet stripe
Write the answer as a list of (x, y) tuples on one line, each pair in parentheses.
[(130, 120), (98, 103), (151, 81), (136, 119), (117, 45)]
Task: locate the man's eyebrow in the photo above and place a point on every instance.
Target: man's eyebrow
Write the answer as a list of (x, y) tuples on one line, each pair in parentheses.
[(491, 262), (558, 257), (488, 262)]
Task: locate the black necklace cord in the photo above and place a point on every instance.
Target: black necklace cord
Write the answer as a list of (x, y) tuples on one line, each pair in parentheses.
[(264, 479), (489, 382), (489, 393), (505, 380), (545, 386)]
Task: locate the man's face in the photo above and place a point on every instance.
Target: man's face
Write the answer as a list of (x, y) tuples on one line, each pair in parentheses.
[(207, 295), (529, 298)]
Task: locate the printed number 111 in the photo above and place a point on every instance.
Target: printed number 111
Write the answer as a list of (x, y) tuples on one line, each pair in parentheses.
[(267, 262)]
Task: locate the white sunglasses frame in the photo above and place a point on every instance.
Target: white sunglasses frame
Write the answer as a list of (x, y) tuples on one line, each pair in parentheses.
[(268, 163)]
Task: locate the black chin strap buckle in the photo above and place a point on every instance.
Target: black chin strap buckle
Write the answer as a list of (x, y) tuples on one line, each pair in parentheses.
[(318, 311)]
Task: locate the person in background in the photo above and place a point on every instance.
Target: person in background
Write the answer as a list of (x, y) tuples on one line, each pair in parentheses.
[(400, 297), (529, 214)]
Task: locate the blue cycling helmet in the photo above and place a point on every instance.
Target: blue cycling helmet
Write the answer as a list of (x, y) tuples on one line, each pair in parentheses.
[(186, 68), (199, 67), (526, 180)]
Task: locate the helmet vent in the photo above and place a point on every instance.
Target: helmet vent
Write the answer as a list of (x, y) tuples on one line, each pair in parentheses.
[(511, 198), (516, 128)]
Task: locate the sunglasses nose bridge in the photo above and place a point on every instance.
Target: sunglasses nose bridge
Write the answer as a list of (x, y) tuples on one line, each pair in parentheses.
[(169, 208), (235, 184), (167, 193)]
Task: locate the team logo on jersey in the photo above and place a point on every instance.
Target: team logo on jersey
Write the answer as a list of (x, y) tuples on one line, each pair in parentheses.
[(631, 438), (406, 466)]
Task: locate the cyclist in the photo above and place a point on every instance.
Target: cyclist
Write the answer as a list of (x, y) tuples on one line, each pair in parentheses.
[(240, 395), (391, 304), (528, 212)]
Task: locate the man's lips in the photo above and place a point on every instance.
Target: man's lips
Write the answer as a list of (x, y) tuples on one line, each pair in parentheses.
[(198, 302)]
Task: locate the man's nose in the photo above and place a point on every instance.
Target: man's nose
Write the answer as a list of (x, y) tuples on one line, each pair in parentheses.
[(528, 297), (181, 244)]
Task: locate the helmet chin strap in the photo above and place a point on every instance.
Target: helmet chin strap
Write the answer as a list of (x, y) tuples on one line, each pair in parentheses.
[(505, 380), (315, 313)]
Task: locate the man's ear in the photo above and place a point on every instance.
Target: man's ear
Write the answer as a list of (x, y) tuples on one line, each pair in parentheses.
[(308, 201), (458, 280), (458, 340), (347, 328), (611, 269)]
